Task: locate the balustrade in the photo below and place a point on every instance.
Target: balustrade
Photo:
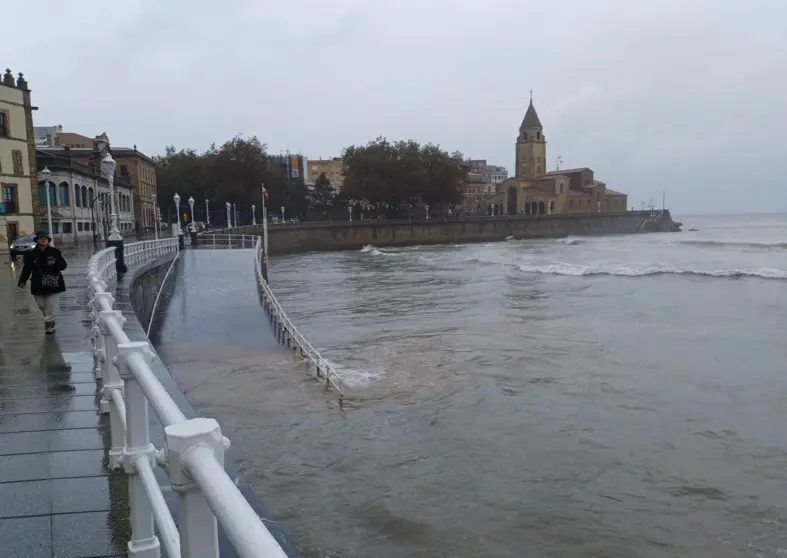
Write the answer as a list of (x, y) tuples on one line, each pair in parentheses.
[(194, 452)]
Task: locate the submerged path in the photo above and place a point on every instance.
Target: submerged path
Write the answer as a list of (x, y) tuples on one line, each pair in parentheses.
[(214, 306)]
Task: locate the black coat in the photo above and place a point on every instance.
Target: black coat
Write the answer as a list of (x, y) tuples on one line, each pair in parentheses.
[(35, 267)]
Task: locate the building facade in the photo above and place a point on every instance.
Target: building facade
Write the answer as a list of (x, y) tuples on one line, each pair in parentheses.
[(534, 190), (79, 199), (474, 191), (132, 164), (18, 205), (331, 168), (491, 175), (292, 165)]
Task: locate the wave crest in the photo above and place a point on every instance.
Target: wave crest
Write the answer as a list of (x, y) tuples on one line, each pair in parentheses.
[(622, 271), (369, 249), (737, 244)]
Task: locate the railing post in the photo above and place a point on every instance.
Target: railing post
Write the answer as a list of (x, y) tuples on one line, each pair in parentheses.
[(199, 535), (95, 329), (144, 543), (111, 380)]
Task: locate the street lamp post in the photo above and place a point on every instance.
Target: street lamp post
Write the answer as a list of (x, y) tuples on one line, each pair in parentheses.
[(192, 225), (156, 224), (45, 175), (229, 217), (108, 167), (264, 234), (179, 230), (207, 213), (191, 209), (253, 214), (282, 214)]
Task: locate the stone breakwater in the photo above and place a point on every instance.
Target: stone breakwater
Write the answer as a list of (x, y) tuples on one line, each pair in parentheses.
[(326, 236)]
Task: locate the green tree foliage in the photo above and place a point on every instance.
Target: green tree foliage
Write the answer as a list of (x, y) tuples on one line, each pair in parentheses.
[(233, 172), (402, 174), (322, 195)]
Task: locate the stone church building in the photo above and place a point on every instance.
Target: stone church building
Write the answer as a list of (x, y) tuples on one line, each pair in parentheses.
[(535, 191)]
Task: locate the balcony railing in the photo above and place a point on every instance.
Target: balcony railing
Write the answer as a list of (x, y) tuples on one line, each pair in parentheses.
[(194, 454)]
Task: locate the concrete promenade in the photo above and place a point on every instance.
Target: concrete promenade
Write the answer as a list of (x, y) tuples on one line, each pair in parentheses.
[(57, 498)]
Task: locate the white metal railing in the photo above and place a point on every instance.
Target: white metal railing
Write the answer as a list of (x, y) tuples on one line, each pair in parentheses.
[(194, 452), (286, 331)]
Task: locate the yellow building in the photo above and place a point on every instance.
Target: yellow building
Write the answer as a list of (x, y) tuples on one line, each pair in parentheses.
[(18, 205), (534, 191), (332, 168)]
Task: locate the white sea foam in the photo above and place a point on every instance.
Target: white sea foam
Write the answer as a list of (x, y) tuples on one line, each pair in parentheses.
[(570, 240), (776, 245), (369, 249), (642, 271), (351, 377)]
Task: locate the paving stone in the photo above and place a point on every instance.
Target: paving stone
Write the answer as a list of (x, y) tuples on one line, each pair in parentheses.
[(90, 494), (81, 463), (31, 379), (48, 421), (79, 439), (61, 403), (24, 442), (45, 389), (25, 498), (28, 537), (88, 534), (24, 467)]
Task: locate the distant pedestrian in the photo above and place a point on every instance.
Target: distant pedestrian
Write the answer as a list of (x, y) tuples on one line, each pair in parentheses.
[(43, 265)]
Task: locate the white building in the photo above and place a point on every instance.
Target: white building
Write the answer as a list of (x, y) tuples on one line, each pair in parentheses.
[(79, 199)]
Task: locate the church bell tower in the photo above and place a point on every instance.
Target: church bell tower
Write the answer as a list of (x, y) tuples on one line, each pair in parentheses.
[(531, 146)]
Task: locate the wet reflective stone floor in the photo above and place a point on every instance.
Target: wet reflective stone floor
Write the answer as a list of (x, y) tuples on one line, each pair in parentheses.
[(57, 498)]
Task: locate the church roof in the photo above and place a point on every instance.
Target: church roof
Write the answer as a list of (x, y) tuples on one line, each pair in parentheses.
[(531, 119), (568, 171)]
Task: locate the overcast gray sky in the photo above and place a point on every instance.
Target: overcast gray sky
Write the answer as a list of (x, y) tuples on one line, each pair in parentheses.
[(686, 96)]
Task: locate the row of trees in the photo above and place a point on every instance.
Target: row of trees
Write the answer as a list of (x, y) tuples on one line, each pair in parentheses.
[(400, 175), (233, 172), (382, 177)]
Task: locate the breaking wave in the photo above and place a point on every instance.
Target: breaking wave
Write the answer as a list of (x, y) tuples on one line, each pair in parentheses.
[(624, 271), (369, 249), (736, 244), (570, 240)]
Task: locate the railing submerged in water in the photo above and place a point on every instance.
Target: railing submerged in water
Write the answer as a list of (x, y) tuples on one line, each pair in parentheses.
[(194, 453), (286, 332)]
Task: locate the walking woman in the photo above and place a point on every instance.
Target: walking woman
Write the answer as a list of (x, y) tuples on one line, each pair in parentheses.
[(43, 266)]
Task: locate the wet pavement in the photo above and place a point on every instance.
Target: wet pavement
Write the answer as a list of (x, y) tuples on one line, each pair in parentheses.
[(58, 499)]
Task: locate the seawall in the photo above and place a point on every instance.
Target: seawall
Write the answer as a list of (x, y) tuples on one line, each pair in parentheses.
[(325, 236), (141, 294)]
